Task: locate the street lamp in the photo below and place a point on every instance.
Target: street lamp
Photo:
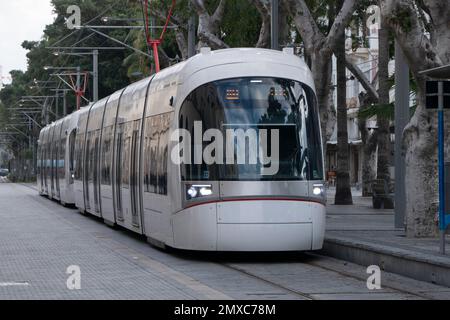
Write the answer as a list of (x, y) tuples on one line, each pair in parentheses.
[(60, 68), (108, 19)]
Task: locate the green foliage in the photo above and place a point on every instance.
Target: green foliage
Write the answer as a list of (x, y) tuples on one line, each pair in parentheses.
[(26, 154), (403, 19), (381, 111), (117, 68), (386, 111), (241, 24)]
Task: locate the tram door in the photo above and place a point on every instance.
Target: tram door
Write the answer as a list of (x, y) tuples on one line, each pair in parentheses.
[(129, 182), (57, 165), (155, 185), (45, 165), (86, 172), (134, 176), (118, 174), (42, 164), (38, 168), (52, 165), (96, 175), (71, 172)]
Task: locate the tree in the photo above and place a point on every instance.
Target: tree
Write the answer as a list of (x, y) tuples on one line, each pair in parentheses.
[(409, 20), (319, 50), (384, 143), (209, 24), (369, 140), (343, 192), (264, 8)]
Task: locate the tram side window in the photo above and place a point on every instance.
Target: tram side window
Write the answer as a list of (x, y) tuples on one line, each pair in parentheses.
[(313, 130), (79, 156), (95, 161), (86, 164), (154, 140), (125, 163), (106, 158), (119, 157), (156, 154), (72, 138), (39, 160), (163, 153), (92, 144), (62, 153), (147, 163), (91, 155), (55, 155)]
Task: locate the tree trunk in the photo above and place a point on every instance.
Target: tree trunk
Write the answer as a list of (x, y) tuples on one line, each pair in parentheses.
[(343, 192), (284, 28), (322, 71), (420, 136), (384, 143), (319, 50), (369, 163), (369, 155), (263, 7), (421, 180)]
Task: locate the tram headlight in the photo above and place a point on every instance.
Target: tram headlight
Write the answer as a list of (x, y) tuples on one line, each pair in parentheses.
[(318, 189), (198, 190)]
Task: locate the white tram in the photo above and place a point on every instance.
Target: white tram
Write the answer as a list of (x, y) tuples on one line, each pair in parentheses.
[(114, 158)]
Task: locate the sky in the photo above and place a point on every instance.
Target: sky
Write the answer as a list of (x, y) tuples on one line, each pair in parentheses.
[(20, 20)]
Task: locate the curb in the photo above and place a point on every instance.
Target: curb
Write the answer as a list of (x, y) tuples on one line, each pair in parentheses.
[(416, 265)]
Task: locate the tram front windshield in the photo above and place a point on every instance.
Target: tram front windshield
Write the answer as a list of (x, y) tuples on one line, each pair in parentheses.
[(273, 110)]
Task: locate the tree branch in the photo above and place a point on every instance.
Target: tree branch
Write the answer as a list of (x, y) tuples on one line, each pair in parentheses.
[(340, 23), (218, 14), (199, 6), (207, 27), (212, 40), (305, 23), (182, 43), (264, 34), (439, 12), (179, 34), (402, 17), (357, 72)]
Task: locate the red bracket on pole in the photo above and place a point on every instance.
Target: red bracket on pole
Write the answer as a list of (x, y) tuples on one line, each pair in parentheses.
[(79, 91), (155, 43)]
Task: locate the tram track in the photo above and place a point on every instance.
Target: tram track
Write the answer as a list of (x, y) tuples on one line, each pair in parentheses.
[(304, 295), (312, 296), (359, 278)]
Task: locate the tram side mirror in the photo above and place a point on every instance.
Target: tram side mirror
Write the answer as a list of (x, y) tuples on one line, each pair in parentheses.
[(171, 101)]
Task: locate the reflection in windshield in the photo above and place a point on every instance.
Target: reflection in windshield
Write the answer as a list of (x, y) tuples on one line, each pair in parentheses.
[(259, 104)]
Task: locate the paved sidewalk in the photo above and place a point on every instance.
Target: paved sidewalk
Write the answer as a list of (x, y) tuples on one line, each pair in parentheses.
[(39, 239), (361, 234)]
